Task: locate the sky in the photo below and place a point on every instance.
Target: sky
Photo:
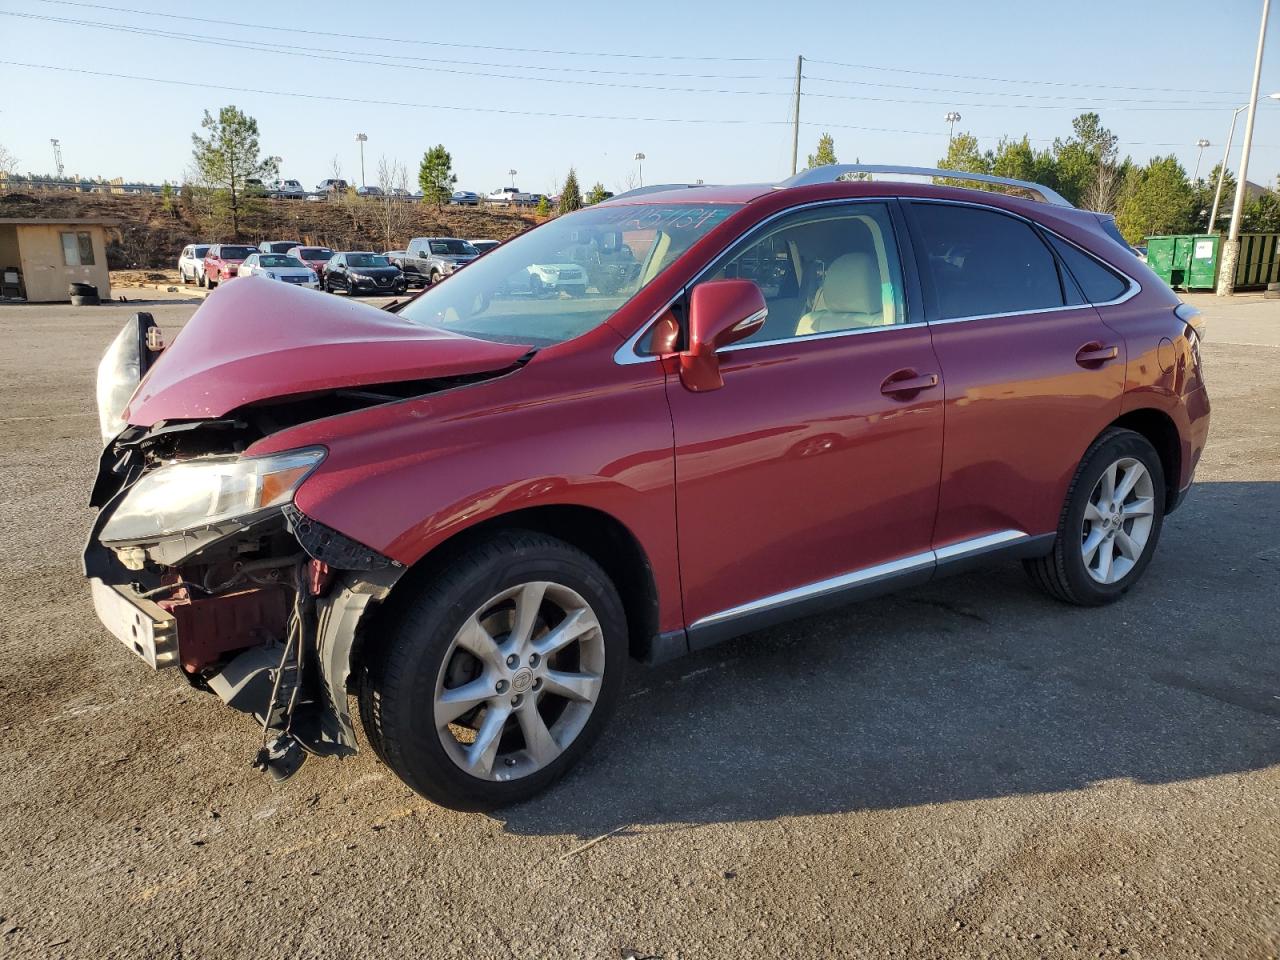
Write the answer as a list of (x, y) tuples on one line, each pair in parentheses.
[(703, 89)]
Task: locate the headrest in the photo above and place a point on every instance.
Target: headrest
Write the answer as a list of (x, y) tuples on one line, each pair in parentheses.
[(852, 285)]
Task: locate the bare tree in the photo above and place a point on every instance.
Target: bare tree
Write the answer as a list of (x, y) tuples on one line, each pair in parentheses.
[(1102, 193), (395, 206), (8, 163)]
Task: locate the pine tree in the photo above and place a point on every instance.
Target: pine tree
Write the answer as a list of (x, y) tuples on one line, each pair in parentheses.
[(570, 196)]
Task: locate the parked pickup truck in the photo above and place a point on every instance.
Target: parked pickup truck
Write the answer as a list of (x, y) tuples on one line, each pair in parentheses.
[(430, 259), (510, 197)]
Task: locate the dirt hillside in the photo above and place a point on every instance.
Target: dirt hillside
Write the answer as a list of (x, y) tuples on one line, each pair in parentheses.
[(152, 230)]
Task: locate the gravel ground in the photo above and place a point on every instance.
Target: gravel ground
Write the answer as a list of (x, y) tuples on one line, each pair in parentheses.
[(967, 769)]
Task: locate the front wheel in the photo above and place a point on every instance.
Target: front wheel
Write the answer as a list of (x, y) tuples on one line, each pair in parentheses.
[(1109, 525), (490, 683)]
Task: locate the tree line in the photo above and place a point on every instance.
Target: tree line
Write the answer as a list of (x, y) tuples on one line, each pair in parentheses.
[(1149, 199)]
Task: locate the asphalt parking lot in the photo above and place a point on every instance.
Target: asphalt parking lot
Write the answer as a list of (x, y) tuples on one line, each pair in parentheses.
[(966, 769)]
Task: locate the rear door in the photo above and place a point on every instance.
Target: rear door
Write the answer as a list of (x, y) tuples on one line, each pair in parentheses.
[(812, 474), (1032, 375)]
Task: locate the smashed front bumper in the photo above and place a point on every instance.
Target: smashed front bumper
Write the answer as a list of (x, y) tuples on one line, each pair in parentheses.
[(266, 613)]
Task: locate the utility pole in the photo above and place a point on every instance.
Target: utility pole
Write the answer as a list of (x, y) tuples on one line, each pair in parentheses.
[(57, 155), (952, 118), (795, 130), (640, 164), (1227, 271), (1201, 143), (361, 139), (512, 174)]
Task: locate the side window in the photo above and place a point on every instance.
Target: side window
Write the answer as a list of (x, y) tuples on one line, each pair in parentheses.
[(824, 270), (982, 262), (1100, 284)]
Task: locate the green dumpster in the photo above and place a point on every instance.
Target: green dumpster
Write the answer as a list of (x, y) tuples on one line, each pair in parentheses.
[(1185, 261)]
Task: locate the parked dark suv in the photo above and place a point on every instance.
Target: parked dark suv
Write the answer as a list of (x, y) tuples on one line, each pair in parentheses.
[(362, 272), (472, 511)]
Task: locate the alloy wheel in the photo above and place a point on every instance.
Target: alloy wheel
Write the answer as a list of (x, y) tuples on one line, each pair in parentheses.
[(519, 681), (1118, 520)]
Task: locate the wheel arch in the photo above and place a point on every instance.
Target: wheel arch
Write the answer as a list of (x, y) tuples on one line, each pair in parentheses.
[(600, 535), (1162, 433)]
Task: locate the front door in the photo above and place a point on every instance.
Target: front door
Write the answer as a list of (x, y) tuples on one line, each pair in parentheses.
[(813, 472)]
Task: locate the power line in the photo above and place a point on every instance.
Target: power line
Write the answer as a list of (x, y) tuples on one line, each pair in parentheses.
[(314, 53), (993, 93), (1017, 80), (429, 43)]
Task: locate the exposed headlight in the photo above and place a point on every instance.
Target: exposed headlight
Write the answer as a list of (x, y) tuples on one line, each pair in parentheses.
[(120, 370), (360, 276), (199, 493)]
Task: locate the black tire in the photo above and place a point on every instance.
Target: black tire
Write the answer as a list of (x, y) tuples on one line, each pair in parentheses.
[(210, 283), (186, 281), (85, 301), (203, 280), (1062, 573), (434, 278), (82, 290), (399, 670)]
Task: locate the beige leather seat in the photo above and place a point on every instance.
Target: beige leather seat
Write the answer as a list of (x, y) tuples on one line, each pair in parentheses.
[(850, 297)]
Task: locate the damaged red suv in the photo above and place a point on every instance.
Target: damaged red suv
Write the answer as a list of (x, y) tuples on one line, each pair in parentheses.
[(471, 510)]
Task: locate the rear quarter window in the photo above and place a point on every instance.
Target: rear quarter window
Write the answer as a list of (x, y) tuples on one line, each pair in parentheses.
[(1100, 284)]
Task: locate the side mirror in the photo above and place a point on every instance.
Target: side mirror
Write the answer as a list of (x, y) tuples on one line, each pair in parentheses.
[(721, 312)]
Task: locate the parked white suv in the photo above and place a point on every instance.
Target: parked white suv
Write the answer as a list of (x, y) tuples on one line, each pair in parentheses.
[(191, 261), (286, 189)]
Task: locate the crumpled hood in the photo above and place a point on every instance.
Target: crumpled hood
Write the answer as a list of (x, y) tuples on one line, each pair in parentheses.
[(257, 339)]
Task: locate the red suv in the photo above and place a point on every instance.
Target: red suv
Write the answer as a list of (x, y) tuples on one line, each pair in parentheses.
[(221, 262), (472, 511)]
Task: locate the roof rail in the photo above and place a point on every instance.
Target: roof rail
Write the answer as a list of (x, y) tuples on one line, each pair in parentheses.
[(834, 171)]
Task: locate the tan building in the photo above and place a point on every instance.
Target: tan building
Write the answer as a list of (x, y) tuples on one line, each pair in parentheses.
[(40, 258)]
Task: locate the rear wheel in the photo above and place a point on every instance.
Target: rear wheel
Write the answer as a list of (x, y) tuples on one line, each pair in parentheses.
[(204, 280), (1110, 523), (491, 683)]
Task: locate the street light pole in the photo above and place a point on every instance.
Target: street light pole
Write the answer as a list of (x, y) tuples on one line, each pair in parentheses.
[(360, 139), (1201, 143), (951, 118), (1226, 158), (512, 175), (1227, 272), (640, 161)]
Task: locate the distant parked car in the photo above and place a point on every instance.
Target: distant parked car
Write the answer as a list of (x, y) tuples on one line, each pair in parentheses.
[(567, 278), (400, 192), (191, 261), (465, 198), (362, 272), (503, 196), (279, 266), (484, 246), (286, 189), (278, 246), (331, 186), (222, 261), (430, 259), (369, 192), (313, 257)]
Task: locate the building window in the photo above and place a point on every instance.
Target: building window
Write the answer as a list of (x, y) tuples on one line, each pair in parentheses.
[(77, 249)]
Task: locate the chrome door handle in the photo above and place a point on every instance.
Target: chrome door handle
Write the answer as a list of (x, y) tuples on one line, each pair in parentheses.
[(908, 381)]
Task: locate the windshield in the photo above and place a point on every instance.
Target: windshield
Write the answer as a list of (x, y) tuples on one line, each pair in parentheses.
[(315, 253), (279, 260), (367, 260), (280, 246), (566, 277), (200, 251), (453, 248), (235, 253)]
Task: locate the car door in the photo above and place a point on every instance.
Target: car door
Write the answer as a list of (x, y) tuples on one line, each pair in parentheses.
[(1031, 373), (812, 475)]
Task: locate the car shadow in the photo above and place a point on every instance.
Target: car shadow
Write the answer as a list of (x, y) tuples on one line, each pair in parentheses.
[(968, 688)]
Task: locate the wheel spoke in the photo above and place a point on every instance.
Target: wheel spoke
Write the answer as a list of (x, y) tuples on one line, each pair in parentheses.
[(1139, 508), (481, 753), (476, 640), (1107, 484), (1128, 547), (570, 629), (583, 687), (528, 603), (1130, 480), (1092, 513), (1105, 553), (453, 703), (538, 741), (1090, 546)]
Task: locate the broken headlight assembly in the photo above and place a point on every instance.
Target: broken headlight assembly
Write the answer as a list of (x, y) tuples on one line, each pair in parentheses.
[(122, 368), (189, 494)]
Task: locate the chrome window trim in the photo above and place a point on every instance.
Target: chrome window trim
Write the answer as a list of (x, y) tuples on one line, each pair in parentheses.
[(829, 335), (908, 564), (626, 354)]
